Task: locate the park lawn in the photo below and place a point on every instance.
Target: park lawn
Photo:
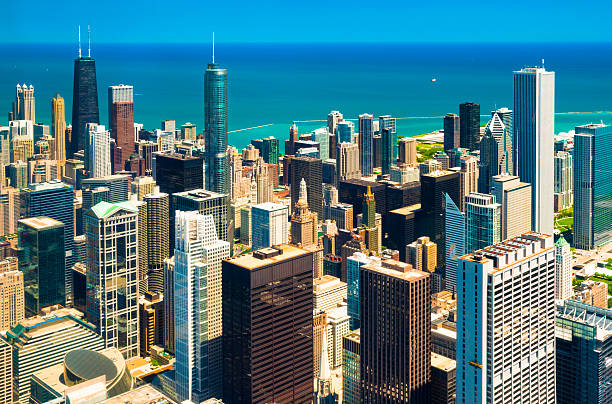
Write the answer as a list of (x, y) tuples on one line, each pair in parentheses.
[(564, 224), (427, 151)]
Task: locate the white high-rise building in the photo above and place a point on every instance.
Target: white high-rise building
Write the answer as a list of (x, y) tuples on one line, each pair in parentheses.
[(198, 256), (112, 274), (347, 161), (269, 225), (99, 160), (563, 269), (506, 322), (514, 197), (533, 140)]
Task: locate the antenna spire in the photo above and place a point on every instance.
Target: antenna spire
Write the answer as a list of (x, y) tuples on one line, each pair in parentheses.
[(213, 47), (79, 41), (89, 42)]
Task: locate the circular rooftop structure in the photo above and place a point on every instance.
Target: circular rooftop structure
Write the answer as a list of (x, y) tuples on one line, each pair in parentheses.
[(82, 364)]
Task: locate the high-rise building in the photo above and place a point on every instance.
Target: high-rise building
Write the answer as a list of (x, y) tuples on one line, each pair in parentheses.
[(443, 379), (490, 284), (347, 161), (386, 157), (564, 180), (189, 131), (84, 103), (6, 372), (268, 149), (407, 148), (584, 342), (158, 248), (269, 224), (197, 306), (121, 122), (253, 286), (592, 186), (452, 132), (328, 293), (353, 268), (422, 254), (507, 163), (58, 119), (491, 153), (332, 121), (395, 333), (345, 131), (215, 129), (141, 186), (207, 203), (112, 274), (12, 306), (533, 132), (468, 178), (563, 269), (310, 169), (514, 197), (44, 340), (341, 213), (454, 228), (150, 321), (433, 187), (304, 229), (351, 368), (144, 283), (366, 134), (42, 262), (98, 159), (469, 125), (24, 104), (117, 184), (55, 200), (482, 221), (169, 305)]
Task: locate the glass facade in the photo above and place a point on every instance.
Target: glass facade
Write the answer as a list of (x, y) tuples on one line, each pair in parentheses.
[(41, 259), (84, 104), (351, 371), (366, 133), (454, 227), (215, 122), (483, 221), (469, 125), (592, 186)]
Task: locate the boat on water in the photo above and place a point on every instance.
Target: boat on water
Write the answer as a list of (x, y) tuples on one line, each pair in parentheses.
[(434, 80)]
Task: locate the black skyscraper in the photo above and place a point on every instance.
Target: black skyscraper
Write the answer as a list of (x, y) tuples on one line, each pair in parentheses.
[(84, 103), (451, 132), (469, 122)]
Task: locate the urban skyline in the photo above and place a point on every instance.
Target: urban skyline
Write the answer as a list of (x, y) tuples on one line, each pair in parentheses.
[(358, 263)]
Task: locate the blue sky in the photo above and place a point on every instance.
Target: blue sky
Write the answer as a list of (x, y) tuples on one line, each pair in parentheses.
[(309, 21)]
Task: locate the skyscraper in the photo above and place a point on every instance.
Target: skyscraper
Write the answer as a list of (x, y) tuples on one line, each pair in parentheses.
[(197, 306), (452, 134), (84, 101), (353, 269), (6, 372), (117, 184), (112, 274), (58, 119), (12, 306), (351, 364), (169, 305), (407, 148), (507, 163), (592, 186), (564, 180), (395, 308), (514, 197), (24, 106), (303, 221), (563, 269), (482, 219), (311, 170), (366, 134), (422, 254), (347, 161), (121, 122), (215, 129), (584, 342), (54, 199), (345, 131), (386, 159), (489, 286), (98, 159), (254, 285), (157, 243), (269, 224), (469, 125), (533, 132), (41, 259), (454, 228), (491, 153)]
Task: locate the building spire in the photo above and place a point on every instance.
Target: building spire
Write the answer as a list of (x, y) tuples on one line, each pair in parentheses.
[(89, 42), (79, 41), (213, 47), (303, 193)]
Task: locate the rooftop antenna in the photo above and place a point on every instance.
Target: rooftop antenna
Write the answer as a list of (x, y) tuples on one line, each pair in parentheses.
[(213, 47), (89, 42), (79, 41)]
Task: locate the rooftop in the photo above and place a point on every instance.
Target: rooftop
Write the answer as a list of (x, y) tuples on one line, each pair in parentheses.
[(199, 194), (287, 252), (354, 336), (442, 362), (269, 206), (327, 282), (396, 269), (407, 209), (44, 186), (146, 394), (105, 209), (41, 222)]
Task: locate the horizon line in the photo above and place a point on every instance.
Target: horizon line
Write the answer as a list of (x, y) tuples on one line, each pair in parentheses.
[(317, 42)]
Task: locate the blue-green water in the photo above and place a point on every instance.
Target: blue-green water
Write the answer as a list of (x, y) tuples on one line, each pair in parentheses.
[(279, 83)]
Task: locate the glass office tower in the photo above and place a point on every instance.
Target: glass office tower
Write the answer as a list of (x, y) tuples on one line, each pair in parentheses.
[(215, 122), (592, 186), (84, 104)]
